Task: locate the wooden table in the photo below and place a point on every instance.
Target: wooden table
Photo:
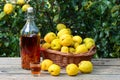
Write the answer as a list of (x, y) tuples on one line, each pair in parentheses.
[(104, 69)]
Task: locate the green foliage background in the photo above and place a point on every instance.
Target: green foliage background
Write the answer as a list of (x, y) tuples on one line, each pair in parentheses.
[(98, 19)]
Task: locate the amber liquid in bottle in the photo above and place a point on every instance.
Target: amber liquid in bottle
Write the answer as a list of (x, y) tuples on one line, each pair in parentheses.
[(30, 50), (29, 41)]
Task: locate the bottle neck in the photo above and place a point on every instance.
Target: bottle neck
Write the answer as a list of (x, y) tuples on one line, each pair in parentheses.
[(31, 20), (30, 16)]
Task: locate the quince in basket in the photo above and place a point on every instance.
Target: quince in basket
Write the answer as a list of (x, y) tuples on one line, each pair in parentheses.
[(64, 31), (64, 49), (65, 42), (55, 44), (49, 37), (89, 42), (77, 39), (46, 45), (71, 49), (75, 44), (81, 49), (60, 26)]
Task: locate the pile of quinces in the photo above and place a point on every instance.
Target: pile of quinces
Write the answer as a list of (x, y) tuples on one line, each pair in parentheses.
[(65, 42), (71, 69)]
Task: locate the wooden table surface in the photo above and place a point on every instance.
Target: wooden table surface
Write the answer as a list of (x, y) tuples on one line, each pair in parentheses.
[(104, 69)]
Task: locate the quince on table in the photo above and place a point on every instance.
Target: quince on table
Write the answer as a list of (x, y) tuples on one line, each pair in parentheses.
[(72, 69), (86, 66), (45, 64), (54, 69)]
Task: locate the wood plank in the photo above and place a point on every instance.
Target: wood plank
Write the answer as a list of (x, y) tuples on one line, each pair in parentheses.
[(112, 70), (10, 60), (107, 62), (104, 69), (80, 77), (115, 61)]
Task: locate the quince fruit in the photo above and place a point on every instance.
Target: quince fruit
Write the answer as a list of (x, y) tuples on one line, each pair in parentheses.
[(72, 69), (8, 8), (81, 49), (25, 7), (60, 26), (86, 66), (66, 40), (86, 40), (64, 31), (77, 39), (76, 44), (55, 44), (45, 64), (71, 49), (54, 69), (46, 45), (20, 2), (64, 49), (89, 45), (49, 37)]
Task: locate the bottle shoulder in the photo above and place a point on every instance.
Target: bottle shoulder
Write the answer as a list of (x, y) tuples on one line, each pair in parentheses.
[(29, 28)]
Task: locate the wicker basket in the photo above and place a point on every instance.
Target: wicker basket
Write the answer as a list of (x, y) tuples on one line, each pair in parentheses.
[(62, 59)]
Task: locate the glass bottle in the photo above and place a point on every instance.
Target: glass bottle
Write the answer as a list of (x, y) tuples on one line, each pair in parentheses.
[(29, 41)]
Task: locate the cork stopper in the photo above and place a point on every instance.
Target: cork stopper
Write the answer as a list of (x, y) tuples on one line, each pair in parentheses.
[(30, 9)]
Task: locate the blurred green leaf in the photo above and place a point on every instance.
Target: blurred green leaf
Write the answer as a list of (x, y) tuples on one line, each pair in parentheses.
[(6, 44), (2, 14)]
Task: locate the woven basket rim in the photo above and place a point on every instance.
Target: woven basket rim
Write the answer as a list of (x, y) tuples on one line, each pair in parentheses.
[(92, 51)]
